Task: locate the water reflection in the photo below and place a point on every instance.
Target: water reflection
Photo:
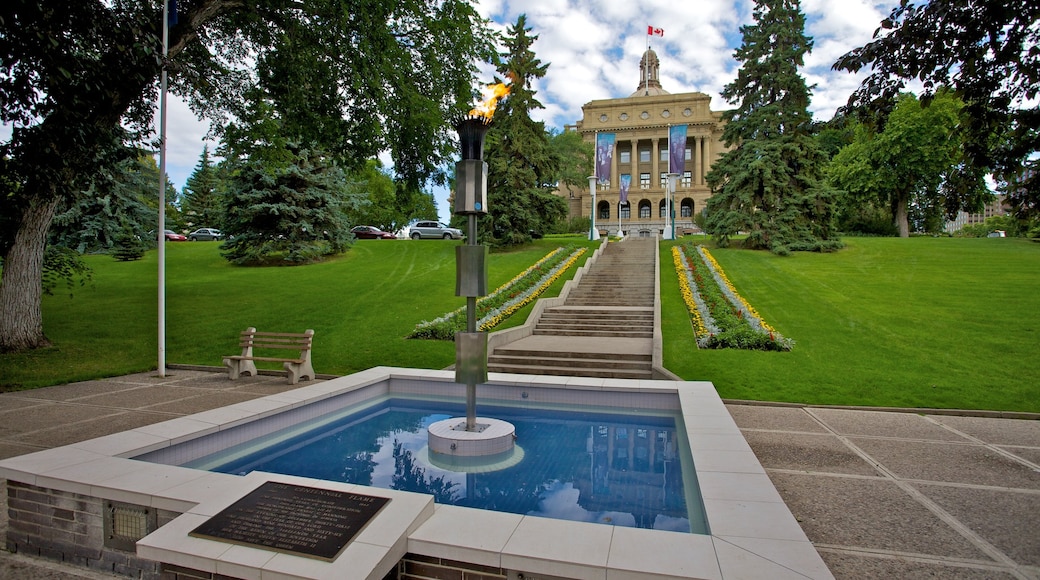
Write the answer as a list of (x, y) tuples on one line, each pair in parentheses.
[(601, 468)]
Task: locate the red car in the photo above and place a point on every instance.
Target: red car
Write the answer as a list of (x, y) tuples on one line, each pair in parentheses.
[(371, 233), (172, 236)]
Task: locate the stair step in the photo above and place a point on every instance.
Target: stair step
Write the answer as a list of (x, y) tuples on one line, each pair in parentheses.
[(604, 356), (598, 333), (572, 371), (545, 361)]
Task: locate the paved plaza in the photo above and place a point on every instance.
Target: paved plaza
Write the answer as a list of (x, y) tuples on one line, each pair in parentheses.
[(880, 494)]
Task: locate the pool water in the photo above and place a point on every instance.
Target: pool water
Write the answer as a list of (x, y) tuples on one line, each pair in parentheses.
[(600, 467)]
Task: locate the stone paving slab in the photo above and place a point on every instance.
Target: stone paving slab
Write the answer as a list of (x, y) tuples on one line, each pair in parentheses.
[(1004, 432), (807, 452), (901, 425), (952, 463), (869, 513), (1016, 532)]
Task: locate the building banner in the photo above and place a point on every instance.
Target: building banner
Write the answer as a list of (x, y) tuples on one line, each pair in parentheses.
[(604, 157), (626, 181), (676, 149)]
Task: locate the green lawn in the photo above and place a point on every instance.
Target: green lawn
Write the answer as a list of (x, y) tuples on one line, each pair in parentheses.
[(920, 322), (360, 305)]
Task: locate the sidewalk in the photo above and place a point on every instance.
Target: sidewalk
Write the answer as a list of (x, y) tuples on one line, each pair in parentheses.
[(880, 494)]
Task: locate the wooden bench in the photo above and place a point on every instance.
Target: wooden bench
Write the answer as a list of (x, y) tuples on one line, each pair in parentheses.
[(298, 368)]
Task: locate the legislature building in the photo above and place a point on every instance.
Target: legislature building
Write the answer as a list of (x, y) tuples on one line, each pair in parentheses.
[(640, 125)]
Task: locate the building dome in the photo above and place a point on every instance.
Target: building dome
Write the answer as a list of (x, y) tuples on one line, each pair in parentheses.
[(649, 76)]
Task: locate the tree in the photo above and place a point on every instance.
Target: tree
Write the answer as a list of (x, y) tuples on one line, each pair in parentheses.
[(201, 203), (79, 83), (987, 53), (575, 155), (376, 188), (770, 183), (522, 165), (292, 213), (909, 164), (128, 204)]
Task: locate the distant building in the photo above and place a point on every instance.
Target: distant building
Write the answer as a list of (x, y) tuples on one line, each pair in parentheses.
[(995, 208), (640, 123)]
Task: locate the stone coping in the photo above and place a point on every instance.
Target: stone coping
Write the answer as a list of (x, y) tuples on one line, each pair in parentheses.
[(752, 532)]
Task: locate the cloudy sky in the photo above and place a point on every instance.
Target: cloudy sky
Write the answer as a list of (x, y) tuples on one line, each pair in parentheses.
[(593, 48)]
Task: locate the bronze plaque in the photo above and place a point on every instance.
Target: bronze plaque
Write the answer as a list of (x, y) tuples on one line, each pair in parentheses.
[(295, 519)]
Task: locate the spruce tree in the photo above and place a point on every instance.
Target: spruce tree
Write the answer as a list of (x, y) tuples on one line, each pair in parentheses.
[(770, 184), (200, 198), (522, 164)]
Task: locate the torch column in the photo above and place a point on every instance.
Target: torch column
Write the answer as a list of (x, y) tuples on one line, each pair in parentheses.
[(471, 259)]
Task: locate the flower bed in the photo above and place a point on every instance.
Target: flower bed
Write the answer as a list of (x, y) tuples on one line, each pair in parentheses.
[(506, 300), (720, 316)]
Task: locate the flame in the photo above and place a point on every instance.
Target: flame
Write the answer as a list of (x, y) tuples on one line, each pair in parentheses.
[(491, 93)]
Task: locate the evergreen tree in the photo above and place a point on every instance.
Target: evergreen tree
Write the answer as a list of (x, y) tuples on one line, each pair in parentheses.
[(522, 164), (201, 205), (770, 184), (126, 202), (292, 213)]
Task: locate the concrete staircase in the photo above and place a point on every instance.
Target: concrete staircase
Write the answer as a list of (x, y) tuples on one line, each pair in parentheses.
[(604, 328)]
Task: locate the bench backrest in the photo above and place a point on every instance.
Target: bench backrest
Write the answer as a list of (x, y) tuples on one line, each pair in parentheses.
[(253, 338)]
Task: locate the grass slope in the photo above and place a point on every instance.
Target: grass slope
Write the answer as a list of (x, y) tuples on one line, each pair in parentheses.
[(360, 305), (920, 322)]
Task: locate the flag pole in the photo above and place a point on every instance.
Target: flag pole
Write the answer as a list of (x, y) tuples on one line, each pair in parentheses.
[(162, 193)]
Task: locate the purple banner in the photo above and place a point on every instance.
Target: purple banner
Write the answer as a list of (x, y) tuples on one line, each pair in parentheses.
[(676, 149), (604, 156), (626, 181)]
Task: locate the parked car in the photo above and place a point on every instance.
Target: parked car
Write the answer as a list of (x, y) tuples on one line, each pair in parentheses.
[(206, 235), (370, 233), (432, 229), (172, 236)]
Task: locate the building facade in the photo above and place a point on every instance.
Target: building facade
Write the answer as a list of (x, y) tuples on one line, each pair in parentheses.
[(641, 123)]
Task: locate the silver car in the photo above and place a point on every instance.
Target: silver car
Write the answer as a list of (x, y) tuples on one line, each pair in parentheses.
[(206, 235), (432, 229)]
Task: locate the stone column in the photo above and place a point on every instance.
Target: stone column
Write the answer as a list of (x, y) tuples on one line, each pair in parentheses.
[(655, 153), (695, 179)]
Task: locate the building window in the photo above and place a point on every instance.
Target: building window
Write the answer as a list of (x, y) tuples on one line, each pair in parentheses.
[(687, 178), (644, 210), (626, 156), (604, 210), (663, 209), (663, 154), (664, 180), (644, 156), (689, 154), (626, 210), (644, 181), (686, 208)]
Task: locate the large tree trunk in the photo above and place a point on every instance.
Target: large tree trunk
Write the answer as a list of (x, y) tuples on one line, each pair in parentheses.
[(21, 319), (900, 214)]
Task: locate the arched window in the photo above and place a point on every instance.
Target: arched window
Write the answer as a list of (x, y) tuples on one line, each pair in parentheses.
[(644, 209), (686, 208), (603, 212), (663, 208), (626, 210)]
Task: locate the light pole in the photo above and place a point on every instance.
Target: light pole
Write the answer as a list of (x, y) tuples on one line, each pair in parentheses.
[(593, 232), (670, 208)]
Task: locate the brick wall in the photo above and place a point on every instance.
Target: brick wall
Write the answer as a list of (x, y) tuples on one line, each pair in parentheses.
[(69, 528)]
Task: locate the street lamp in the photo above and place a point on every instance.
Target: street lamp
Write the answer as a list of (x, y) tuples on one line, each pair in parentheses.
[(669, 233), (593, 232)]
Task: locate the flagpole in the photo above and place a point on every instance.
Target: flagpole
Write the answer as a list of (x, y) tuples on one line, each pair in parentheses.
[(162, 192)]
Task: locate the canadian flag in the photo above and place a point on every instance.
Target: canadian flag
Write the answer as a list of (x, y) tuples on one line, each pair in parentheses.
[(651, 31)]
